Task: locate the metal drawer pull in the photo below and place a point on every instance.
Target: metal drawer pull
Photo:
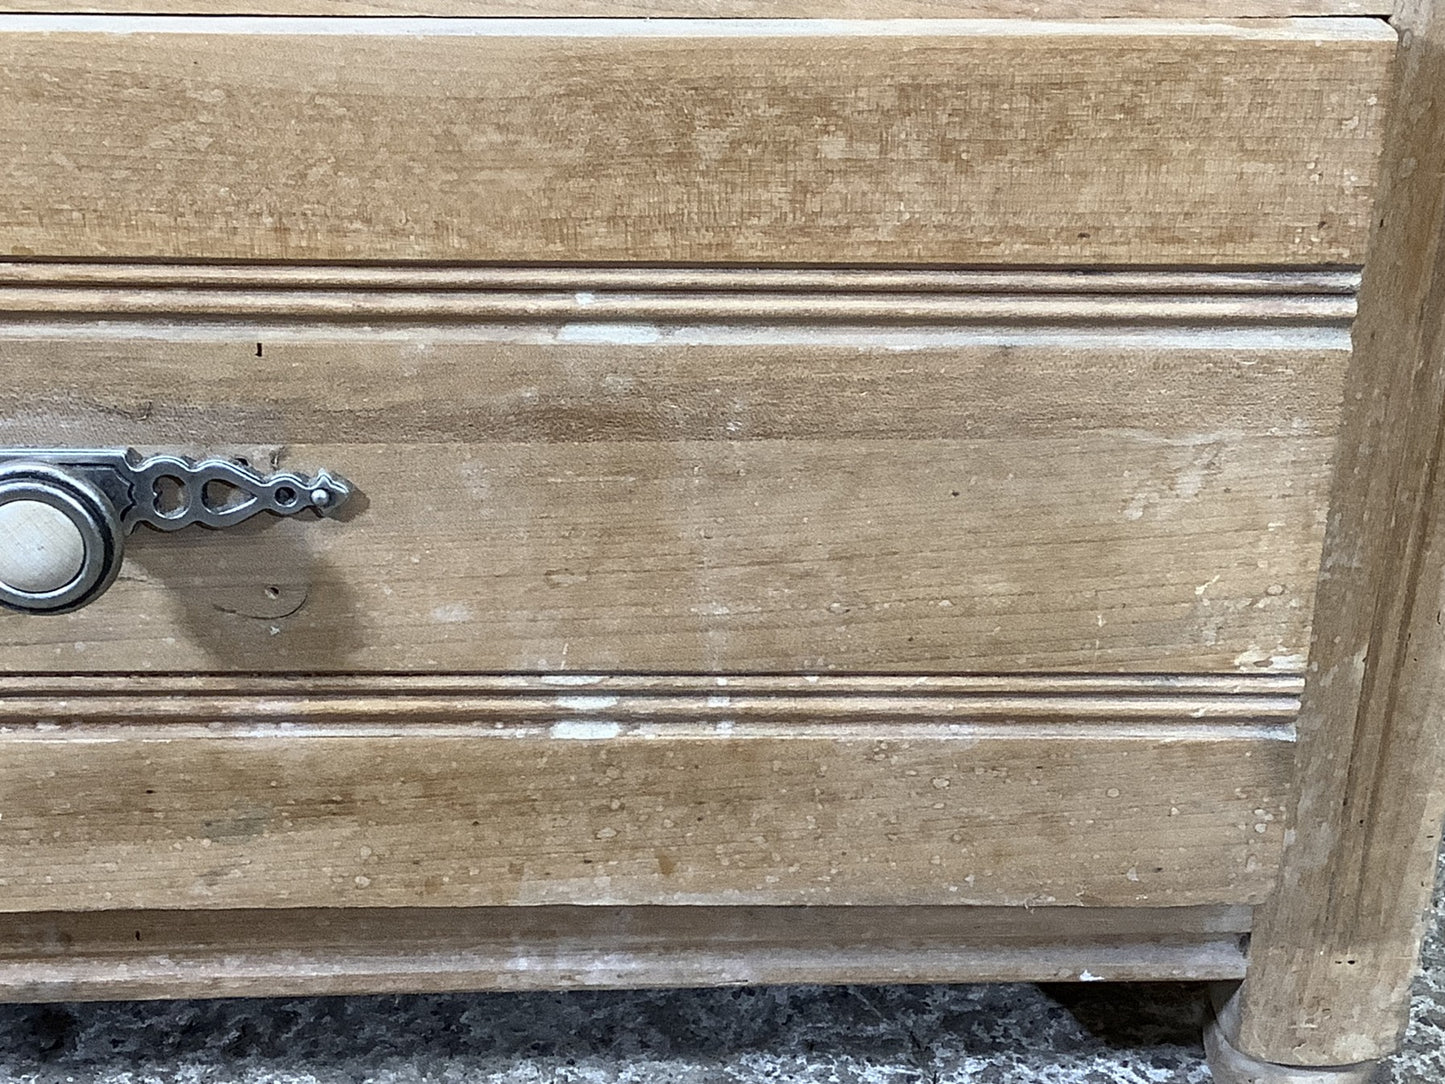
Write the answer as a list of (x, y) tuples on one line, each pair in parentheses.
[(65, 513)]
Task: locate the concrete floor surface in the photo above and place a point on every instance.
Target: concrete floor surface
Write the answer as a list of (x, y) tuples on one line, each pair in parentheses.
[(1074, 1034)]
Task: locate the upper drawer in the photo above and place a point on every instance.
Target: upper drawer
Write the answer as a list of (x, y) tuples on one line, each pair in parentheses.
[(702, 141), (586, 478)]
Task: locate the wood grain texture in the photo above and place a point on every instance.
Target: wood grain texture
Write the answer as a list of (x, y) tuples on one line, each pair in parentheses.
[(602, 497), (1332, 962), (776, 141), (725, 9), (591, 802), (165, 954)]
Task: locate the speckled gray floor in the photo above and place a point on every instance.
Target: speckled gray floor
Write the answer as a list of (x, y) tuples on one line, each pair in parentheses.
[(819, 1035)]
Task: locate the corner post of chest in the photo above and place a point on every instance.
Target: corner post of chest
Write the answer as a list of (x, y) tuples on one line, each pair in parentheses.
[(1335, 948)]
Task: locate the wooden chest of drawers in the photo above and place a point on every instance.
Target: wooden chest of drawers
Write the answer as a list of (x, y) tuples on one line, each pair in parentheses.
[(820, 497)]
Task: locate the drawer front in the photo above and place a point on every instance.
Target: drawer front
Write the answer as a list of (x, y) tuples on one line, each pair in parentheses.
[(214, 793), (729, 496), (807, 142)]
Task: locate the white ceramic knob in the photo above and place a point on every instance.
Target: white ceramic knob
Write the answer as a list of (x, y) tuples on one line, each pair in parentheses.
[(41, 548)]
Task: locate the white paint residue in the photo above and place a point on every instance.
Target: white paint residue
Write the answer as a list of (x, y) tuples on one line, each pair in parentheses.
[(584, 729), (571, 679), (453, 613), (1088, 976), (1190, 479), (1278, 661), (1251, 657), (609, 334), (901, 340), (1135, 508), (1189, 482), (719, 701), (586, 703)]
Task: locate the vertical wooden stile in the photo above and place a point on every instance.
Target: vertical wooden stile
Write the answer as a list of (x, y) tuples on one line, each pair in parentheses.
[(1334, 951)]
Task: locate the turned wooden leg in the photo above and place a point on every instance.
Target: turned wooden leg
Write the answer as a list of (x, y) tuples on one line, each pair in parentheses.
[(1334, 949), (1230, 1065)]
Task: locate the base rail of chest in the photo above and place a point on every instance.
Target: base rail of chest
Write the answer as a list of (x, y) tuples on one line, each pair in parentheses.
[(58, 956)]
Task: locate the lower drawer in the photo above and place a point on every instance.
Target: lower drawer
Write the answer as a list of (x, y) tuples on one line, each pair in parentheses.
[(224, 793)]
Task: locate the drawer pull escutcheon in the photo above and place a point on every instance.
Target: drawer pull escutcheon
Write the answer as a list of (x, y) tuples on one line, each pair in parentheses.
[(65, 513)]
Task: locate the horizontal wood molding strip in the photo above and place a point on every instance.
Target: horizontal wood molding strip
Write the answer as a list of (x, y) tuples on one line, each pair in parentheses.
[(721, 9), (1181, 687), (513, 700), (372, 306), (597, 808), (163, 954), (496, 294), (393, 704), (124, 277), (923, 142)]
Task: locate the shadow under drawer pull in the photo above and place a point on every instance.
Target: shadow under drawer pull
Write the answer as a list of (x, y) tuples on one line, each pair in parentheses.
[(65, 513)]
